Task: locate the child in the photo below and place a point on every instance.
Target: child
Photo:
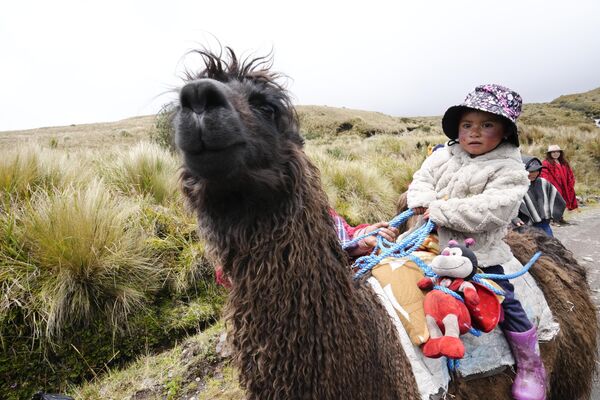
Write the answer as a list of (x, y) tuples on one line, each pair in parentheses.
[(473, 188), (542, 202), (558, 172)]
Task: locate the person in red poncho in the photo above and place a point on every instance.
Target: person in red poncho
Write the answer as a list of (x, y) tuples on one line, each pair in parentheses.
[(558, 172)]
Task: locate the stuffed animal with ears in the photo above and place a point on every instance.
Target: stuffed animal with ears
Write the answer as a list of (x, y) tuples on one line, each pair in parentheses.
[(447, 317)]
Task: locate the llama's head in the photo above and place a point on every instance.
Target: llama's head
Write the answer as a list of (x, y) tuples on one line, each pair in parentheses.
[(234, 122)]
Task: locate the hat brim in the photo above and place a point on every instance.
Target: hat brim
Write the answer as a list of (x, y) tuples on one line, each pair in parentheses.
[(452, 116), (535, 169)]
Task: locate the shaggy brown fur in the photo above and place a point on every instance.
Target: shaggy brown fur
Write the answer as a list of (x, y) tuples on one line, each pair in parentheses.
[(300, 327), (570, 359)]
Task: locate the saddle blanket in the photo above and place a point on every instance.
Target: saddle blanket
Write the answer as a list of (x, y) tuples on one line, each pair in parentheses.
[(483, 355)]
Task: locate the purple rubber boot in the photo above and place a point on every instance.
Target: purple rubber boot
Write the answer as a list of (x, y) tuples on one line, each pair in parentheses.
[(530, 382)]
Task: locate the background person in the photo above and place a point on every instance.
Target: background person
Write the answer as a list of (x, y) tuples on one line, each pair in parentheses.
[(542, 202), (558, 172)]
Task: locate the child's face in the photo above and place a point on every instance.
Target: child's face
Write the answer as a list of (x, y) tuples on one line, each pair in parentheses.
[(479, 132), (533, 175)]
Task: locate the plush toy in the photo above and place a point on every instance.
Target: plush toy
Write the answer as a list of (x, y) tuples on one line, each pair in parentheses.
[(447, 317)]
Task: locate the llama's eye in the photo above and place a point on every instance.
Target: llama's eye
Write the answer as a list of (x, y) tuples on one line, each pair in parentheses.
[(267, 110)]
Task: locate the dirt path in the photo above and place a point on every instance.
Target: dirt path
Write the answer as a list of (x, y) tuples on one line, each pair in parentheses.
[(582, 237)]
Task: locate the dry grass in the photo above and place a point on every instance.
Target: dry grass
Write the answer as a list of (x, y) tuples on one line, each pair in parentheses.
[(75, 254), (87, 136), (30, 168), (145, 170)]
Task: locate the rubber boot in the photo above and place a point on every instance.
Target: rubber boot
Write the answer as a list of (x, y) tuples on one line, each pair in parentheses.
[(530, 382)]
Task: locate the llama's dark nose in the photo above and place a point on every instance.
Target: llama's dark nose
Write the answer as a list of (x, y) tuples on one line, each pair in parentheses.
[(203, 95)]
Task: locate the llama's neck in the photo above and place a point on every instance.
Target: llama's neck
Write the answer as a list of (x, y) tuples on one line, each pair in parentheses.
[(300, 328), (283, 223)]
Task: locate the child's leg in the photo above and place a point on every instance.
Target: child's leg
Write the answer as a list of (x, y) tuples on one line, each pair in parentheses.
[(530, 383), (515, 318)]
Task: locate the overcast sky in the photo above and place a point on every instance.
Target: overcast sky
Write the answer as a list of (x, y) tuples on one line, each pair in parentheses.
[(70, 62)]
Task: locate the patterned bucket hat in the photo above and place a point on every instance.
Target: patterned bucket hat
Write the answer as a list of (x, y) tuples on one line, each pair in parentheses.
[(492, 98)]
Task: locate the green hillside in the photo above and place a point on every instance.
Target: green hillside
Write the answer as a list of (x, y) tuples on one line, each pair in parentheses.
[(587, 103)]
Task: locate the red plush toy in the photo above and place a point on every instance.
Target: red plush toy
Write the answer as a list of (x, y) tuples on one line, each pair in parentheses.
[(447, 317)]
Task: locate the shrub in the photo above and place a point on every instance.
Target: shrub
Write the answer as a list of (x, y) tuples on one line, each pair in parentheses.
[(163, 133)]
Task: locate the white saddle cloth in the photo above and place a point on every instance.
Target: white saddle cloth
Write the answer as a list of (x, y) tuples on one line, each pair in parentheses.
[(484, 354)]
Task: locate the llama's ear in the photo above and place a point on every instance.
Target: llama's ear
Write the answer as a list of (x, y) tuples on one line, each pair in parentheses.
[(469, 242), (452, 243)]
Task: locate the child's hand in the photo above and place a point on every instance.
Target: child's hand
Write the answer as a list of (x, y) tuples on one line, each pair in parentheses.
[(386, 232), (422, 210), (419, 210), (426, 214)]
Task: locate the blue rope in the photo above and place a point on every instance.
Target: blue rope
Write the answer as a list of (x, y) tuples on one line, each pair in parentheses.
[(394, 223), (386, 248), (511, 276), (479, 278), (421, 264)]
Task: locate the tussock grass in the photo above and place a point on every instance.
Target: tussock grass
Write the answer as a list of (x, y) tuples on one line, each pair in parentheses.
[(363, 178), (89, 256), (146, 170), (181, 252), (27, 169), (15, 270)]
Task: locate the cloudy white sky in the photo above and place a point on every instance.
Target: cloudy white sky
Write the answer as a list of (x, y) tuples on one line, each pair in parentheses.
[(70, 62)]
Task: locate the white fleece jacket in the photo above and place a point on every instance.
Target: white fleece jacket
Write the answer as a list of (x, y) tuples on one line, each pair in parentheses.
[(472, 197)]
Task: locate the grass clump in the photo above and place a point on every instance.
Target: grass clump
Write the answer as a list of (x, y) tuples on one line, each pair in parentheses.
[(89, 256), (355, 189), (28, 169), (19, 172), (146, 170), (175, 242)]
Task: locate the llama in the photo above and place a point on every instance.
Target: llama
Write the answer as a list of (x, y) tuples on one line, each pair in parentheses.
[(300, 327)]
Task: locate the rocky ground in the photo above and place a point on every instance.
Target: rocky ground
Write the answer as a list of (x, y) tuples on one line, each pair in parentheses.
[(582, 237)]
